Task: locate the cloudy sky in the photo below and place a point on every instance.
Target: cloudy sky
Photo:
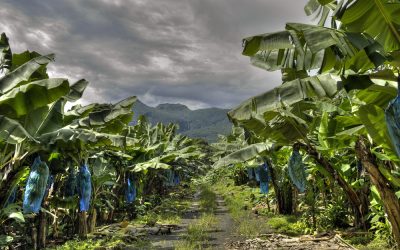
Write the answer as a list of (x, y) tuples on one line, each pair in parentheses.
[(177, 51)]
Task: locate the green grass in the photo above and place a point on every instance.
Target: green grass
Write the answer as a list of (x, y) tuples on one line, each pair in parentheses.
[(198, 233), (367, 242), (207, 199), (285, 224), (249, 210)]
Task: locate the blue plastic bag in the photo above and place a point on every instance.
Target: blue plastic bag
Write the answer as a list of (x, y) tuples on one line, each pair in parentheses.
[(250, 173), (84, 188), (71, 187), (257, 173), (297, 171), (264, 187), (177, 179), (392, 117), (170, 175), (35, 186), (264, 178), (130, 194)]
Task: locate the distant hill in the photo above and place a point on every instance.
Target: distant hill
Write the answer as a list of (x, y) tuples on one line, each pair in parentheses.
[(201, 123)]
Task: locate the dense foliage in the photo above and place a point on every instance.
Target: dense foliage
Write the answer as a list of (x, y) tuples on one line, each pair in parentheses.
[(81, 167), (336, 111)]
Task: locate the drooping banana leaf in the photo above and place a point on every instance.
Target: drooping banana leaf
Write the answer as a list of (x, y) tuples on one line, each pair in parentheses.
[(303, 47), (84, 188), (26, 98), (378, 18), (109, 117), (244, 154), (35, 186), (11, 131), (5, 54), (23, 73), (76, 90), (297, 172)]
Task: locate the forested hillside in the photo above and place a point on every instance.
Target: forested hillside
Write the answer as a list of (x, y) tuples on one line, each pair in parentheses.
[(201, 123)]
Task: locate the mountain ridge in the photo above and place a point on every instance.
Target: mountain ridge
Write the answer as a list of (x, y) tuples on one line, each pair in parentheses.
[(204, 123)]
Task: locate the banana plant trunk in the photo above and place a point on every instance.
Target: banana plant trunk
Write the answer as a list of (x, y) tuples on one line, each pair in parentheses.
[(389, 199), (284, 194), (32, 234), (92, 220), (42, 230), (82, 225), (358, 206)]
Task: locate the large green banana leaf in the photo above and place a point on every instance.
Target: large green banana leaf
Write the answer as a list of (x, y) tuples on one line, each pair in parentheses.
[(305, 47), (152, 164), (319, 86), (76, 90), (109, 118), (11, 131), (73, 138), (26, 98), (23, 73), (373, 118), (378, 18)]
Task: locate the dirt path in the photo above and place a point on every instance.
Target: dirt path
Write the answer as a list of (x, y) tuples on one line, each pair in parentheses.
[(224, 234), (217, 238), (168, 241), (305, 242)]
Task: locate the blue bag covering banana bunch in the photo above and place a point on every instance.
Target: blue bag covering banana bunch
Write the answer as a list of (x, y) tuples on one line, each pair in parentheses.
[(84, 187), (264, 178), (257, 173), (72, 183), (177, 179), (169, 174), (392, 117), (297, 171), (130, 194), (35, 186), (250, 173)]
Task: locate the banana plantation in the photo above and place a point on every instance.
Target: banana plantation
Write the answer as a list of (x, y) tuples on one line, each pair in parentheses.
[(311, 164)]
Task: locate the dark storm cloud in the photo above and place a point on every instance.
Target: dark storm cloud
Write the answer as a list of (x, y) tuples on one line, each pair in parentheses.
[(186, 51)]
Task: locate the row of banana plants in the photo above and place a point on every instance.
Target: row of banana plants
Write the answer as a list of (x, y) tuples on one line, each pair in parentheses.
[(65, 168), (337, 104)]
